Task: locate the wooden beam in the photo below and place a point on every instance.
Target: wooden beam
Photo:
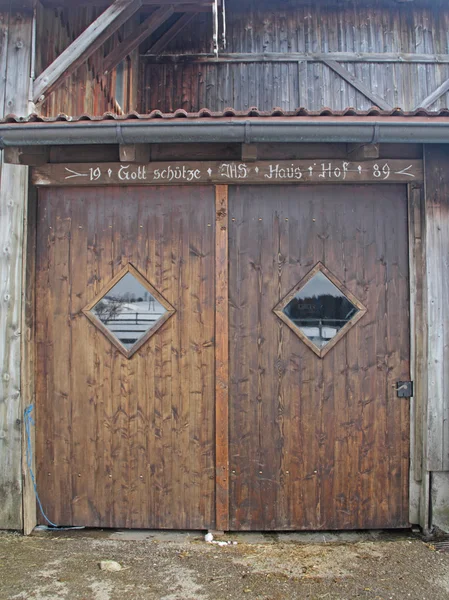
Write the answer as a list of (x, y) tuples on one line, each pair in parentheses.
[(221, 360), (249, 152), (319, 171), (84, 46), (32, 156), (141, 33), (134, 153), (357, 84), (362, 151), (170, 35), (433, 97), (352, 57)]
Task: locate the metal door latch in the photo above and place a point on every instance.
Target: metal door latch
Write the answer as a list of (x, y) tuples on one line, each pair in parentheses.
[(404, 389)]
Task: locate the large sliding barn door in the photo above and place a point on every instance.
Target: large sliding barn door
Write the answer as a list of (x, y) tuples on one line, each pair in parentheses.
[(125, 354), (319, 336)]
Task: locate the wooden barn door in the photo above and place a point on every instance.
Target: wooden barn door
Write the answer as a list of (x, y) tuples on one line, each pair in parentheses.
[(125, 354), (319, 336)]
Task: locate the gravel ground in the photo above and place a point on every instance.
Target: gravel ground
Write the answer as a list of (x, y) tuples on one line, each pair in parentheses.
[(181, 566)]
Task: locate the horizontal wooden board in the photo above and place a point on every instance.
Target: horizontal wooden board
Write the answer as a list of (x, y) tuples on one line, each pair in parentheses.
[(262, 172)]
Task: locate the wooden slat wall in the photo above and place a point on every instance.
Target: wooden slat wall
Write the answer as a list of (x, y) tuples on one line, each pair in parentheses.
[(87, 90), (15, 45), (437, 254), (257, 27)]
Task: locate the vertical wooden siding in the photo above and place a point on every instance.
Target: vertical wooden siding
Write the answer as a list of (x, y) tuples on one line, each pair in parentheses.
[(437, 205), (15, 44), (255, 27)]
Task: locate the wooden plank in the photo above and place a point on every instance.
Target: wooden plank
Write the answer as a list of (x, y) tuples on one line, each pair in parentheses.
[(355, 57), (15, 60), (28, 357), (84, 46), (170, 35), (359, 85), (433, 97), (221, 359), (437, 248), (418, 333), (140, 34), (263, 172)]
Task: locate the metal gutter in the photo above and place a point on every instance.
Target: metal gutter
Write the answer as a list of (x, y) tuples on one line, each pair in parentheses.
[(228, 130)]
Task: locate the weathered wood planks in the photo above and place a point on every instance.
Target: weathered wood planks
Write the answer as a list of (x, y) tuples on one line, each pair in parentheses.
[(437, 249), (137, 36), (126, 442), (84, 46), (280, 64), (263, 172), (15, 55), (318, 443)]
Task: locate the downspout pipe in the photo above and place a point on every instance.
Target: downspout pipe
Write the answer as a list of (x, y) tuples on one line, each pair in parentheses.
[(224, 130)]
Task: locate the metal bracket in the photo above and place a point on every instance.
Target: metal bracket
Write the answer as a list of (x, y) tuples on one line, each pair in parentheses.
[(404, 389)]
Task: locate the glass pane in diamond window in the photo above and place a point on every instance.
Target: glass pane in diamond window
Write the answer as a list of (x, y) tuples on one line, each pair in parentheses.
[(128, 310), (320, 310)]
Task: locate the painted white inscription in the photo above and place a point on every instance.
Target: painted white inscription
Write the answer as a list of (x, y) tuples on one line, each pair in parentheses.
[(235, 171), (177, 174), (127, 174), (277, 172)]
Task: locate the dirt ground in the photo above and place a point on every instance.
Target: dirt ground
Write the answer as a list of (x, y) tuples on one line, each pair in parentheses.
[(181, 566)]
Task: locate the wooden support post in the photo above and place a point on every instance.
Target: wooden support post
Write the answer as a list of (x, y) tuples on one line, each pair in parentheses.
[(15, 67), (135, 153), (418, 358), (84, 46), (436, 243), (222, 361), (141, 33)]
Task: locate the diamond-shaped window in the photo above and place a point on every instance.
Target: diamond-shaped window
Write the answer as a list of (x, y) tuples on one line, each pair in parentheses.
[(320, 310), (129, 311)]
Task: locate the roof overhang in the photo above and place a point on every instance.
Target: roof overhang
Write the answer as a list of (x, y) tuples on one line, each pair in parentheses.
[(415, 129)]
